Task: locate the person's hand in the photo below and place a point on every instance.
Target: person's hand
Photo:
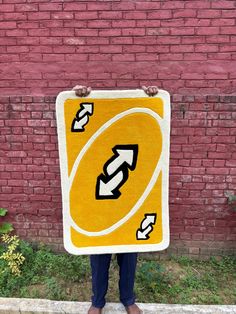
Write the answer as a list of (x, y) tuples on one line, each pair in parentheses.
[(150, 90), (81, 91)]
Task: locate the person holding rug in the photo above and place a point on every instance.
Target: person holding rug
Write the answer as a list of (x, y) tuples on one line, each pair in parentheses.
[(100, 263)]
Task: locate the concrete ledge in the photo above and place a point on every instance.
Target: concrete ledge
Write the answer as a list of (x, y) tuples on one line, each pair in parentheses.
[(36, 306)]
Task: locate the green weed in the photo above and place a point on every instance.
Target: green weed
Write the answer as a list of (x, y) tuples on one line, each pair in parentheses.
[(45, 274)]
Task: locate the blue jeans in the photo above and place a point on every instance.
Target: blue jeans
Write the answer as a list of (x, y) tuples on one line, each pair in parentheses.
[(100, 274)]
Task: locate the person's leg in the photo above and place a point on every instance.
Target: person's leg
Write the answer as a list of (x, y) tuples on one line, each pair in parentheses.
[(100, 273), (127, 263)]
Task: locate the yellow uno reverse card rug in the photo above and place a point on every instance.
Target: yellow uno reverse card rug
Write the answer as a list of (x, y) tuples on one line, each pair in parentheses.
[(114, 162)]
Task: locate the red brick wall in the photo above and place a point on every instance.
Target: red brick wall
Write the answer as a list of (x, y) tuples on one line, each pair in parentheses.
[(186, 47), (202, 172)]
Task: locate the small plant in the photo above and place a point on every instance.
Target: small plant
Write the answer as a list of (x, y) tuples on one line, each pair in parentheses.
[(54, 289), (13, 259), (5, 227)]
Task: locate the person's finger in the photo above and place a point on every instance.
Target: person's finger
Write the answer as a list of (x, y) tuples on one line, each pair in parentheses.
[(76, 87), (88, 90), (144, 88), (154, 90), (150, 91), (79, 92), (83, 90)]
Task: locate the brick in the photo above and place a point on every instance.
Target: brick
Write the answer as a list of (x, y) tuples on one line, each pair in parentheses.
[(110, 32), (27, 41), (143, 6), (207, 31), (99, 6), (110, 15), (182, 31), (194, 250), (197, 22), (223, 4), (16, 32), (67, 16), (206, 48), (184, 13), (160, 14), (133, 32), (230, 163), (50, 7), (97, 41), (39, 16), (197, 236), (123, 57), (13, 16), (135, 15), (15, 168), (172, 5), (222, 22), (27, 25), (7, 7), (147, 23), (107, 24), (7, 25), (74, 41), (16, 123), (38, 139), (227, 13), (61, 32), (197, 4), (182, 48), (212, 14), (26, 7), (228, 30), (219, 171), (17, 183), (172, 23), (52, 41), (74, 6)]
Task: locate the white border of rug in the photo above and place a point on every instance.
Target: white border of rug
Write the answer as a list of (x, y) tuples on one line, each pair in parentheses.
[(65, 180)]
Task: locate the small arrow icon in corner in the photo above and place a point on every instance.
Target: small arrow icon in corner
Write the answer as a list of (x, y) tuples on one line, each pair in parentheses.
[(82, 117), (146, 227)]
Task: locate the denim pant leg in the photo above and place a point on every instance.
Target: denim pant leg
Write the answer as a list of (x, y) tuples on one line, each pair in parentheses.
[(100, 274), (127, 263)]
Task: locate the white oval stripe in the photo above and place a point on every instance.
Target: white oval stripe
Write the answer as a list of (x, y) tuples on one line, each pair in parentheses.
[(149, 187)]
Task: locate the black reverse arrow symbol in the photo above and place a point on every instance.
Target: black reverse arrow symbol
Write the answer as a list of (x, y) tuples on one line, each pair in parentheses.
[(86, 109), (116, 171), (146, 227)]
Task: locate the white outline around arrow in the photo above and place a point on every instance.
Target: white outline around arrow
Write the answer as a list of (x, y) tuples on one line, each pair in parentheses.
[(146, 227), (79, 125), (124, 156), (106, 188), (87, 108), (143, 235), (82, 118)]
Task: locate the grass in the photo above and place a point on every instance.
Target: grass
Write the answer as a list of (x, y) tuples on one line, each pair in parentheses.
[(66, 277)]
